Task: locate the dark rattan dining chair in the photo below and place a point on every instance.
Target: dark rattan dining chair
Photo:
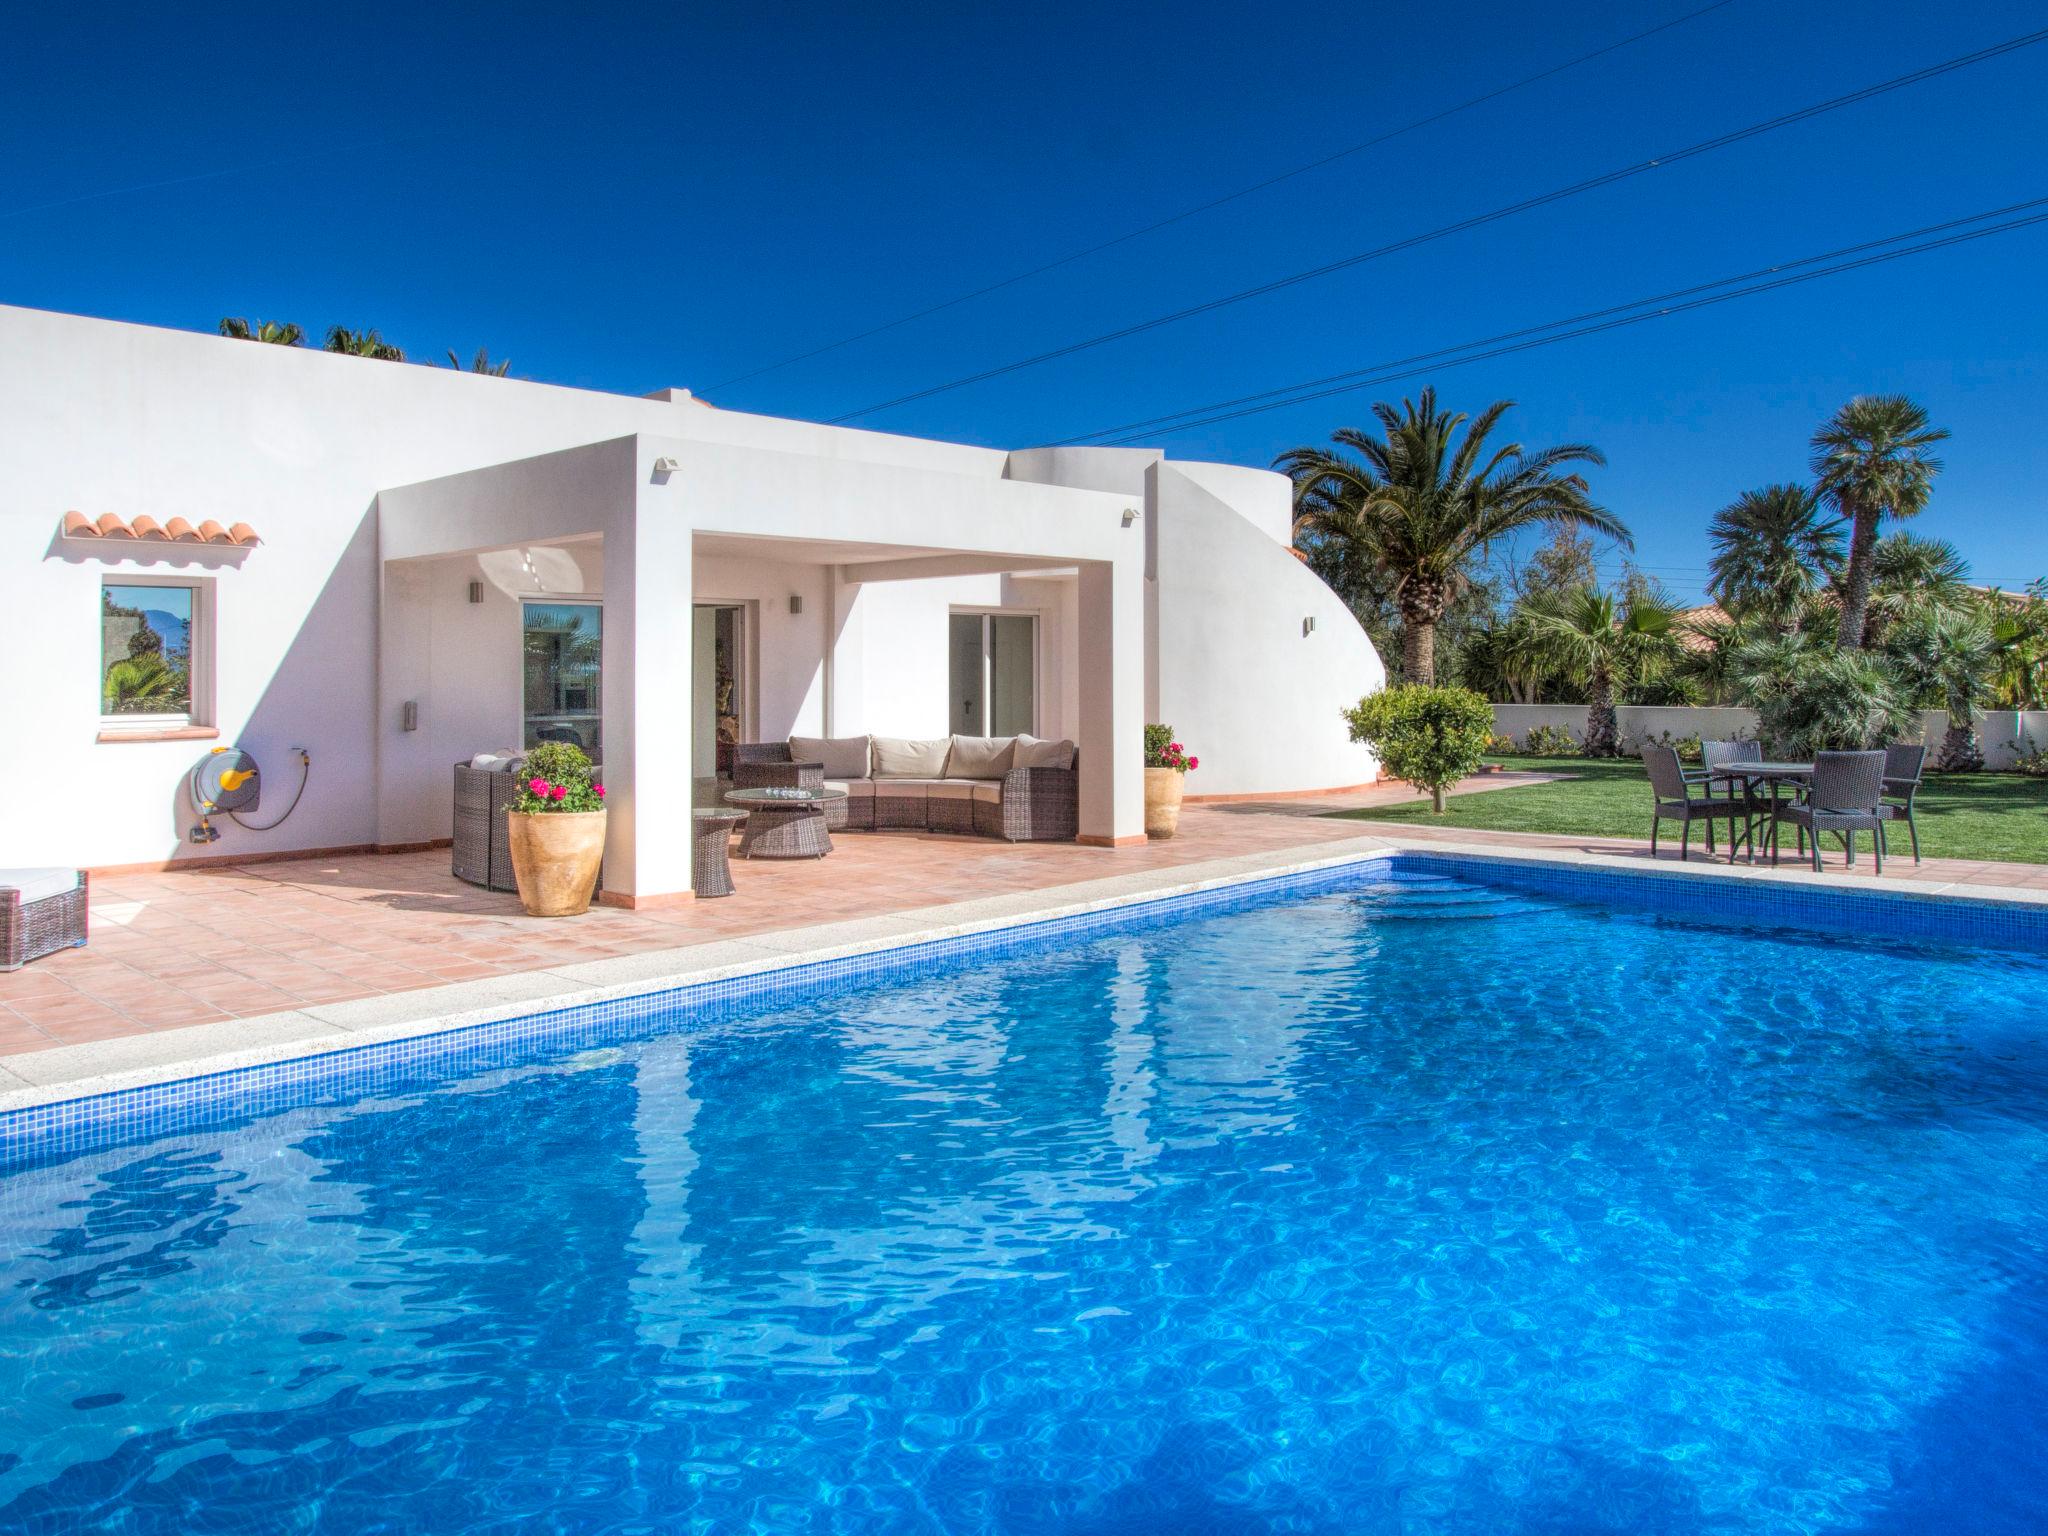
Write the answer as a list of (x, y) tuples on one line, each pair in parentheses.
[(1842, 797), (1676, 801), (1721, 754), (1902, 768)]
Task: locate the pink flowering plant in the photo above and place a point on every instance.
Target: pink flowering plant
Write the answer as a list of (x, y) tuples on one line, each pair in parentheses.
[(557, 778), (1162, 751)]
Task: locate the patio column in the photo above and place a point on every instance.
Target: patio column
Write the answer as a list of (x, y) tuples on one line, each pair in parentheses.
[(1112, 696), (648, 583)]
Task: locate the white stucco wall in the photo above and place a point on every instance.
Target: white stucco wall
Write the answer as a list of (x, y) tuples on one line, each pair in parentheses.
[(2004, 733)]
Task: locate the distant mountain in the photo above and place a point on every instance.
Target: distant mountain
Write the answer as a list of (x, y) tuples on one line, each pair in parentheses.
[(169, 628)]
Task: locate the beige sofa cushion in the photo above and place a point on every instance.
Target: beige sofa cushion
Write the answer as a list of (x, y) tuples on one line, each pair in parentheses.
[(844, 757), (1033, 753), (858, 789), (899, 758), (953, 789), (979, 757)]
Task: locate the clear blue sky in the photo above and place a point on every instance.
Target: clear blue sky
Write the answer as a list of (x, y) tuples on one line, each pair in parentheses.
[(681, 194)]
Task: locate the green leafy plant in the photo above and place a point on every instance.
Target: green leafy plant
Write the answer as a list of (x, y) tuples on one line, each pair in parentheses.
[(1810, 698), (557, 779), (1429, 737), (1687, 747), (2033, 762), (1498, 745), (1162, 751), (1550, 741)]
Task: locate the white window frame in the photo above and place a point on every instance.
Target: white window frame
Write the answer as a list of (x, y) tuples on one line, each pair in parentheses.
[(984, 613), (199, 638)]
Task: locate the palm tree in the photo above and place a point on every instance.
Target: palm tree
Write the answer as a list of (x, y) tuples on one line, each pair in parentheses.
[(1945, 654), (481, 363), (143, 683), (1872, 460), (1772, 547), (2019, 628), (1607, 646), (362, 344), (1423, 505), (271, 331)]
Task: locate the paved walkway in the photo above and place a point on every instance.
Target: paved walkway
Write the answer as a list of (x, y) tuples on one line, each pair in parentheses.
[(204, 945)]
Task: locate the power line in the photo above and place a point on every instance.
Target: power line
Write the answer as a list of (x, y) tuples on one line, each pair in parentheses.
[(1218, 202), (1559, 194), (1616, 324), (1168, 422)]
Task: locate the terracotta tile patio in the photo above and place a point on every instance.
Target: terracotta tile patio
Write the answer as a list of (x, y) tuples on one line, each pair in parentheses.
[(201, 945)]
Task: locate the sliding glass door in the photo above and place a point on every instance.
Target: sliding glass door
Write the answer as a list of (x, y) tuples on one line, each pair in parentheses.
[(993, 673), (564, 672), (717, 693)]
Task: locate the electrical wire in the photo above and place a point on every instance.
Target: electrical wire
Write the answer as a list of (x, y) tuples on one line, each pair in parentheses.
[(1544, 199), (1617, 324), (1217, 202), (1170, 420)]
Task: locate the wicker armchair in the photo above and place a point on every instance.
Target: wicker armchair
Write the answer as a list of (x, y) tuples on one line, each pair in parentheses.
[(1845, 798), (1675, 802), (1902, 770), (771, 765), (482, 848), (31, 929)]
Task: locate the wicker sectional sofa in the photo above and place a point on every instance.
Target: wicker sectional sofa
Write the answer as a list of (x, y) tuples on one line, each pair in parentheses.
[(1013, 787)]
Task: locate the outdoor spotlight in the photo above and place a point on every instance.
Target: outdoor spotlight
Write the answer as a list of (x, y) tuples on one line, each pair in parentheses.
[(666, 466), (476, 591), (1130, 516), (796, 603), (1308, 626)]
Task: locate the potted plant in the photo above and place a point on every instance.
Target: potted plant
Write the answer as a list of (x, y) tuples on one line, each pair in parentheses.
[(557, 831), (1166, 763)]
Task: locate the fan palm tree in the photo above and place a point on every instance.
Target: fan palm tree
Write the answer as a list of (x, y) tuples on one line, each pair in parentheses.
[(1423, 503), (481, 363), (1607, 646), (1873, 459), (1944, 653), (143, 683), (2019, 627), (1908, 572), (274, 332), (362, 344), (1771, 548)]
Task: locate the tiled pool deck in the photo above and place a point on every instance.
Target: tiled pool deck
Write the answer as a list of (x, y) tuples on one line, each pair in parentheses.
[(276, 957)]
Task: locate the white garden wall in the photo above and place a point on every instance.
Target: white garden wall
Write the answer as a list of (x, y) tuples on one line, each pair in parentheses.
[(2004, 733)]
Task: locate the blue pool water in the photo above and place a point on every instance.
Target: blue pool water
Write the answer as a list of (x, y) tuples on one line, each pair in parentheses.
[(1411, 1205)]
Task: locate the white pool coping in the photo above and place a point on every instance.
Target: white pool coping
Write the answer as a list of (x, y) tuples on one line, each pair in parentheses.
[(98, 1067)]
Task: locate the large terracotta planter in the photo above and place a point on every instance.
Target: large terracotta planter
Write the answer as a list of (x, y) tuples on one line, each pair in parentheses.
[(1162, 801), (555, 857)]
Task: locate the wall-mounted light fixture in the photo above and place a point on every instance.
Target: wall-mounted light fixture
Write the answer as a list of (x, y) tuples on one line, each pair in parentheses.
[(666, 466), (409, 715), (1130, 516), (476, 591), (1308, 626), (796, 603)]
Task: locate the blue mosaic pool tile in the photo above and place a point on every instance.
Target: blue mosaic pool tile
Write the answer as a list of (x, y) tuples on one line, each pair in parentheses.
[(50, 1132)]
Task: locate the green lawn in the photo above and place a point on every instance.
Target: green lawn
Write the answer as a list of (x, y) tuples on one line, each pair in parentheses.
[(1961, 816)]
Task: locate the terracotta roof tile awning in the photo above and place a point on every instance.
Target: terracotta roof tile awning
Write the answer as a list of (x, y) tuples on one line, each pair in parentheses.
[(112, 527)]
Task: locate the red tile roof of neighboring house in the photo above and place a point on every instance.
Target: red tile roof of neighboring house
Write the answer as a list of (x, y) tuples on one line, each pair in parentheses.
[(111, 525)]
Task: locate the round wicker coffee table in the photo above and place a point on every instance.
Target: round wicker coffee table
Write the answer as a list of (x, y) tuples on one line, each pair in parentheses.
[(784, 823), (711, 833)]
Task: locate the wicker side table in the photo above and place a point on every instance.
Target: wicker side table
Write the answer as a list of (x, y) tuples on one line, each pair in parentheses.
[(785, 823), (710, 836)]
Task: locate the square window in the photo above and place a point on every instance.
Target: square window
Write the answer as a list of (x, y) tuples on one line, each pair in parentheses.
[(151, 652)]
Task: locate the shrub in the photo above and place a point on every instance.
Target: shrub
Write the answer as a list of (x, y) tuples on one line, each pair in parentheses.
[(557, 778), (1162, 751), (1819, 699), (1687, 747), (1498, 745), (2033, 761), (1430, 737), (1550, 741)]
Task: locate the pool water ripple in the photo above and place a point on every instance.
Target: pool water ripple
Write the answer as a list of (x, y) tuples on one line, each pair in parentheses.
[(1413, 1206)]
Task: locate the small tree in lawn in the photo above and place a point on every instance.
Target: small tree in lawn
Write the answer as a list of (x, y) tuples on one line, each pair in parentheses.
[(1429, 737)]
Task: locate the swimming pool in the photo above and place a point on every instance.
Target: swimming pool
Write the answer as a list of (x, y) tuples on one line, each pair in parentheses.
[(1420, 1197)]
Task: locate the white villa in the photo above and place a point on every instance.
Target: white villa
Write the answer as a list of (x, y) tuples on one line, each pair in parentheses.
[(386, 564)]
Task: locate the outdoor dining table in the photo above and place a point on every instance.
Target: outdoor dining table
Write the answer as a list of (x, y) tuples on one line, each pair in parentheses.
[(1770, 775)]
